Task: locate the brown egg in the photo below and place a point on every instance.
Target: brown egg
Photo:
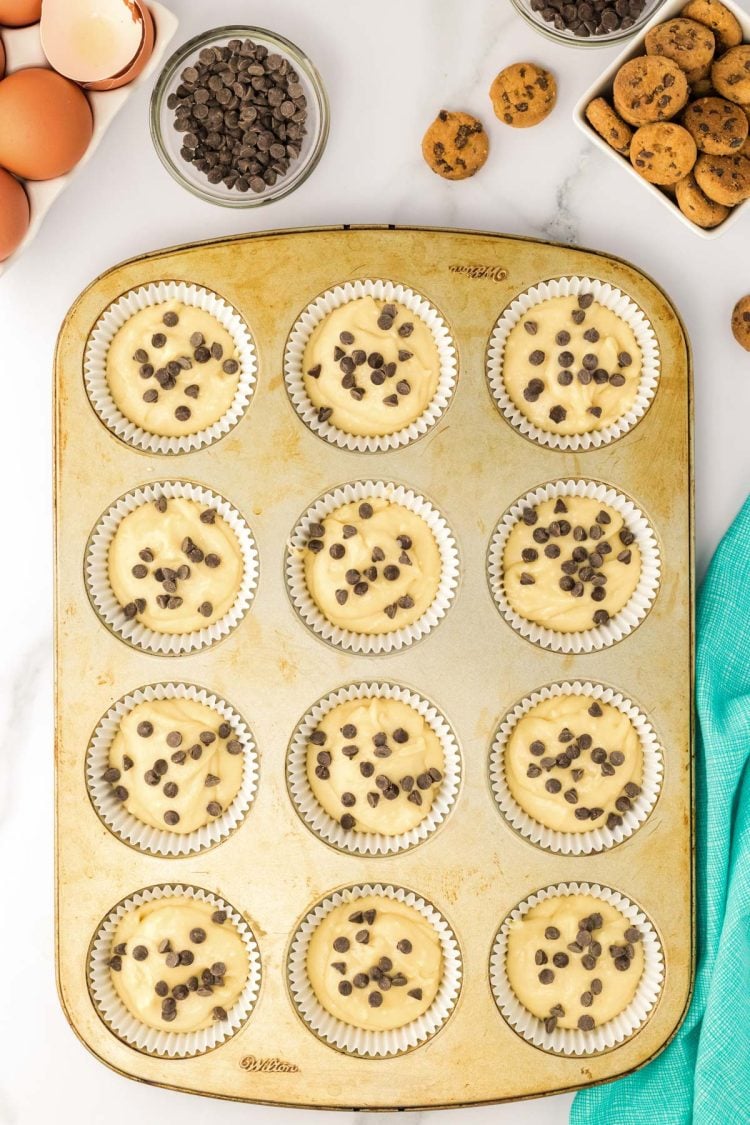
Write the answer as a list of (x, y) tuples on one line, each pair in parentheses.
[(2, 59), (45, 124), (14, 214), (20, 13)]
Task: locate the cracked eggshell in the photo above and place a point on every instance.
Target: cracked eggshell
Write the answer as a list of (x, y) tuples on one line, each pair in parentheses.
[(101, 44)]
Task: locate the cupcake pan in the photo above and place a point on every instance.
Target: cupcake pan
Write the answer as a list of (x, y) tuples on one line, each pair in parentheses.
[(476, 868)]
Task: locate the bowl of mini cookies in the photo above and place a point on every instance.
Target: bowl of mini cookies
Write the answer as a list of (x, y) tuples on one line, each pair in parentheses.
[(674, 110)]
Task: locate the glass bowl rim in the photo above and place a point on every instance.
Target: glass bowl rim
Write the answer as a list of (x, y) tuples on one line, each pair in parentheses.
[(192, 46), (570, 40)]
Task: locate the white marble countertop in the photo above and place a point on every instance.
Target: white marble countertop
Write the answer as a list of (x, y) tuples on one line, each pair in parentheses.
[(388, 67)]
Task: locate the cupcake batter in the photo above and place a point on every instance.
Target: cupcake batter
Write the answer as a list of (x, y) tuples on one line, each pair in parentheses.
[(175, 764), (175, 565), (178, 964), (371, 367), (571, 365), (375, 765), (372, 566), (574, 961), (573, 763), (172, 369), (570, 564), (375, 963)]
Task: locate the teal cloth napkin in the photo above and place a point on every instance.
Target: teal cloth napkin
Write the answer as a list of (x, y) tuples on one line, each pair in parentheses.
[(703, 1076)]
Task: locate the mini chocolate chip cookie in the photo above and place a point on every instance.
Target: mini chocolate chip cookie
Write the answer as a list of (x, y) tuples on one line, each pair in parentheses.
[(716, 125), (731, 75), (691, 45), (649, 88), (741, 322), (663, 152), (610, 127), (455, 146), (696, 206), (523, 95), (725, 179), (714, 14)]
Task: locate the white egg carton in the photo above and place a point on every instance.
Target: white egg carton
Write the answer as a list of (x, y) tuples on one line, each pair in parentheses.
[(23, 48), (603, 88)]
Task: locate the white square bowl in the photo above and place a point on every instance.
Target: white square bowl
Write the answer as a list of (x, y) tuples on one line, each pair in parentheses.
[(603, 88)]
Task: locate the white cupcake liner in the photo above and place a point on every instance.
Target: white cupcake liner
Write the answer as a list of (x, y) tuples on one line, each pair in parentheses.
[(320, 308), (356, 1040), (324, 825), (632, 613), (108, 608), (122, 1023), (619, 303), (573, 1041), (378, 643), (113, 318), (129, 828), (599, 838)]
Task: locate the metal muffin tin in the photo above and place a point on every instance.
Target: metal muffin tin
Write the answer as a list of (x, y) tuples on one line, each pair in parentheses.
[(474, 868)]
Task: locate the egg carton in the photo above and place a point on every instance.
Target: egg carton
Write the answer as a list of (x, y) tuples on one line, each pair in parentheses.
[(23, 48)]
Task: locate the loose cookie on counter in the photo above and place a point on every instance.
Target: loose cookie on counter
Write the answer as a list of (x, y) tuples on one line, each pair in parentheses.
[(663, 152), (725, 179), (696, 205), (731, 75), (691, 45), (717, 126), (455, 146), (610, 127), (718, 18), (649, 88), (741, 322), (523, 95)]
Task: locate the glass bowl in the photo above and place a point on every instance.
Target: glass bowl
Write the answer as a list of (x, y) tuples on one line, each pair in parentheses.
[(168, 141), (572, 40)]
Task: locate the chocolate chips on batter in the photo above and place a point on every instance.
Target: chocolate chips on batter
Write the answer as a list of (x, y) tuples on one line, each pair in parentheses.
[(576, 749), (387, 787), (167, 374), (358, 583), (364, 373), (169, 579), (581, 567), (589, 371)]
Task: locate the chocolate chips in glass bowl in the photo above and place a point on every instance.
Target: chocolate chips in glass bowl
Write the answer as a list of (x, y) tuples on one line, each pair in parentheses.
[(242, 111), (589, 18)]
